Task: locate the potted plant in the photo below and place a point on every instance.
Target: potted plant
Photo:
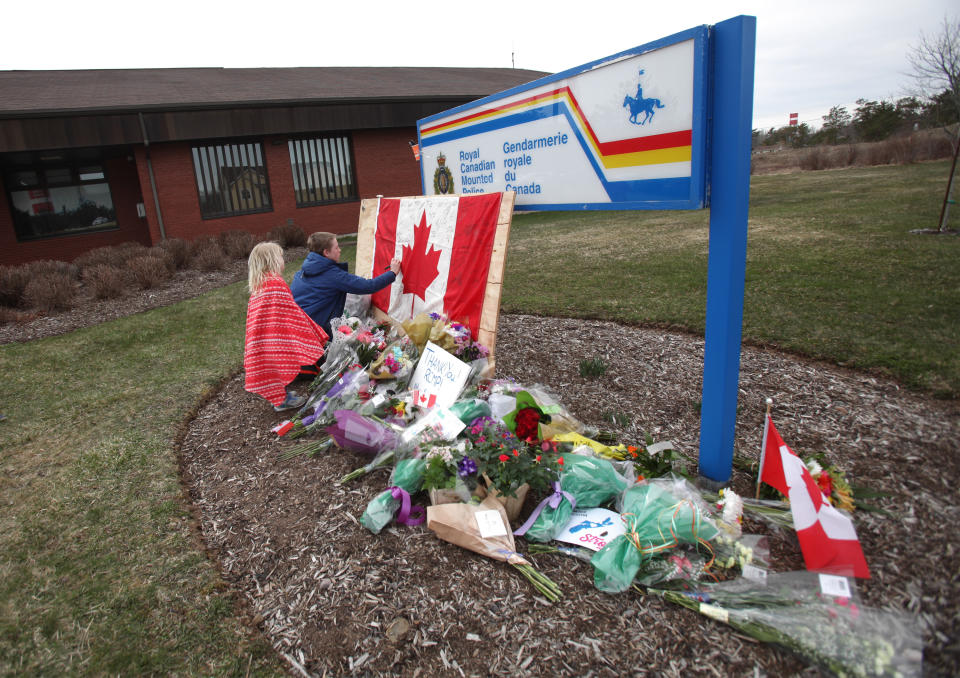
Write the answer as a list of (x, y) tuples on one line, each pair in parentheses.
[(451, 475), (511, 467)]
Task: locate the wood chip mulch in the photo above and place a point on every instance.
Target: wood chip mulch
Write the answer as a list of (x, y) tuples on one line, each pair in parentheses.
[(333, 598)]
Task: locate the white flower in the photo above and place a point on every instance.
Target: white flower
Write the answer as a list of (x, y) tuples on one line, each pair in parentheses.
[(441, 451), (814, 468), (731, 507)]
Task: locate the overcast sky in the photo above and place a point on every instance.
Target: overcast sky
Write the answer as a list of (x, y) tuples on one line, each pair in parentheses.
[(811, 55)]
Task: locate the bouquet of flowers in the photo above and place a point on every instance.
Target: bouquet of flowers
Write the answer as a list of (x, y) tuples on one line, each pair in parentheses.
[(535, 410), (832, 481), (585, 481), (483, 529), (660, 515), (406, 479), (353, 431), (832, 630), (396, 361)]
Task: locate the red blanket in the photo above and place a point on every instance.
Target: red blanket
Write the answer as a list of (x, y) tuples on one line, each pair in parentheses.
[(280, 338)]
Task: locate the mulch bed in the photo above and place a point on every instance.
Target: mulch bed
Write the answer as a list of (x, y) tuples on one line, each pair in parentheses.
[(333, 598)]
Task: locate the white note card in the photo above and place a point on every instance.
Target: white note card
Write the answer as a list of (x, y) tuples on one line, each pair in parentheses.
[(832, 585), (490, 524)]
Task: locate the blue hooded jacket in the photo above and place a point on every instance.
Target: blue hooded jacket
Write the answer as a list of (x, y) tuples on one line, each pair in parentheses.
[(321, 285)]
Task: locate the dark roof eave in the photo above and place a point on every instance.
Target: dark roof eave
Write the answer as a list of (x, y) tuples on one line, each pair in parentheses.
[(222, 105)]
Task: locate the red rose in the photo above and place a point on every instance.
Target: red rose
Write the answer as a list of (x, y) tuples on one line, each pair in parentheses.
[(504, 457), (527, 420), (560, 461)]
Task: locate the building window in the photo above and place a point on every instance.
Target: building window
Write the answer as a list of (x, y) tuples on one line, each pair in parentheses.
[(59, 193), (322, 170), (231, 179)]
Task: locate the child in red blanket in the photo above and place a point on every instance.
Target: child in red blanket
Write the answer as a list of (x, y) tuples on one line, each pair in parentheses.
[(280, 337)]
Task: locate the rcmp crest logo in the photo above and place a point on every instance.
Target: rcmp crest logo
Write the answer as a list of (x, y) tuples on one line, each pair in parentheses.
[(443, 177)]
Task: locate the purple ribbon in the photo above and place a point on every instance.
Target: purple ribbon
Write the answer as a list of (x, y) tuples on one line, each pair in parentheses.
[(553, 501), (408, 515)]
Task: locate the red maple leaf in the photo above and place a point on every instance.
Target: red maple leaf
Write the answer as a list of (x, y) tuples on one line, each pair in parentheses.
[(418, 266)]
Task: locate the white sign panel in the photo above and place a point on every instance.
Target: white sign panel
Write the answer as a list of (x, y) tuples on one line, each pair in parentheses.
[(623, 132)]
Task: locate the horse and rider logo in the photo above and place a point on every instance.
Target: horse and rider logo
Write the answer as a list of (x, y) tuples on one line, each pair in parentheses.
[(639, 105)]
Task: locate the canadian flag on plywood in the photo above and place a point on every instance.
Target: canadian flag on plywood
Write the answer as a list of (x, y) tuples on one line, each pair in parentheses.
[(445, 245)]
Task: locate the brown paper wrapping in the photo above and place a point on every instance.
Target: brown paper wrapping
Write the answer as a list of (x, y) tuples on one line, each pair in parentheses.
[(457, 524)]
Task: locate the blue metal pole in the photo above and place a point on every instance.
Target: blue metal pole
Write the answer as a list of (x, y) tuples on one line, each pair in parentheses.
[(731, 111)]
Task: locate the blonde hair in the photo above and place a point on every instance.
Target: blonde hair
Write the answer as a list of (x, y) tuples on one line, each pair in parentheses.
[(265, 259), (320, 241)]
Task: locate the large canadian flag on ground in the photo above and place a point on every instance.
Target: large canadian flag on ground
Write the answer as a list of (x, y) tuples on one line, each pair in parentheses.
[(445, 244), (827, 537)]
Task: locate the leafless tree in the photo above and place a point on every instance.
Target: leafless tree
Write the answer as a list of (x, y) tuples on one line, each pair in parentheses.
[(935, 60), (936, 68)]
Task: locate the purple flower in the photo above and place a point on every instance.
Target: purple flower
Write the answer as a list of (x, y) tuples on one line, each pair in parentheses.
[(466, 467), (435, 316)]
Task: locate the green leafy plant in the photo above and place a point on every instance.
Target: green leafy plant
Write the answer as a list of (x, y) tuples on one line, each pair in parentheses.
[(508, 462), (621, 419), (592, 367)]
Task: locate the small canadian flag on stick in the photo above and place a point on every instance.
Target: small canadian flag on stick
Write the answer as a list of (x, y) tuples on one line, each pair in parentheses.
[(827, 536), (423, 399)]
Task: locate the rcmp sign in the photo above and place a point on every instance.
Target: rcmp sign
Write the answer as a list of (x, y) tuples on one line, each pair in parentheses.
[(623, 132)]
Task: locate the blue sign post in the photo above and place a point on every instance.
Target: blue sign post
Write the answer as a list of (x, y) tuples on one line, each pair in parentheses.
[(734, 45), (666, 125)]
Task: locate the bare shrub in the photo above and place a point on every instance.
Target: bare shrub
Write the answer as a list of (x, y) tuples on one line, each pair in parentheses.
[(163, 255), (132, 249), (934, 147), (207, 255), (237, 244), (148, 271), (50, 292), (903, 150), (111, 256), (13, 280), (105, 281), (287, 235), (879, 153), (815, 159), (849, 154), (179, 251), (45, 266)]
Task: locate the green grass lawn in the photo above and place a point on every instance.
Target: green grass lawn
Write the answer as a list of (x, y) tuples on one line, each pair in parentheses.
[(833, 271), (99, 570)]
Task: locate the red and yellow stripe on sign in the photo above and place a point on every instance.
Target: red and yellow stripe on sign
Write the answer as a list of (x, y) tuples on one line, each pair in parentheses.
[(655, 149)]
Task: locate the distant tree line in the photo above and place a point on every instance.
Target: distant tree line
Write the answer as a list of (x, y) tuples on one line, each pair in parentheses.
[(870, 121)]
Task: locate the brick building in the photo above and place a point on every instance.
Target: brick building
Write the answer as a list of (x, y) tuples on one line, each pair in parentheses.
[(95, 158)]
